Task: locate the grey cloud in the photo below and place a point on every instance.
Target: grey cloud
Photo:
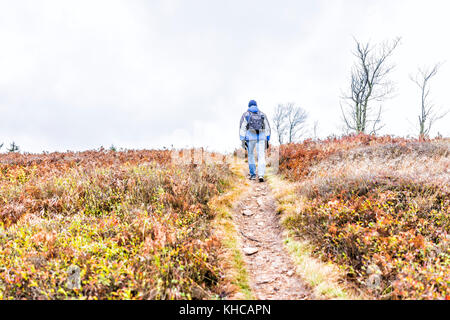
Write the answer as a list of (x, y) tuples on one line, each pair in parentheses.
[(80, 74)]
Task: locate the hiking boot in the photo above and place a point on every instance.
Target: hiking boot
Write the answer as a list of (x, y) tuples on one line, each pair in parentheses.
[(261, 179), (253, 177)]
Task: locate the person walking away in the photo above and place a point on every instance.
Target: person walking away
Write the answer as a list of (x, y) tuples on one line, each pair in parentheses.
[(254, 132)]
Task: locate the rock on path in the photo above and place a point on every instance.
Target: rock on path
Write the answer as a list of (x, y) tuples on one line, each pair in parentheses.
[(271, 271)]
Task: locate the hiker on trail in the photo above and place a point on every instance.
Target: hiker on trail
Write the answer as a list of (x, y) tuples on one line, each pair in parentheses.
[(254, 131)]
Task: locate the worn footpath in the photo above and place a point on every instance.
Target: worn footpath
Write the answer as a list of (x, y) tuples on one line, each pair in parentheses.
[(271, 271)]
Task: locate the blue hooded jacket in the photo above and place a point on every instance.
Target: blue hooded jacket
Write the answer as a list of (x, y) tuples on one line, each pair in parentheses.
[(251, 135)]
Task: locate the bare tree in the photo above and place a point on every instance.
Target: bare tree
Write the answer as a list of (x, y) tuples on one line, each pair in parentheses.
[(428, 113), (1, 145), (315, 129), (369, 82), (295, 122), (279, 122), (13, 147), (289, 122)]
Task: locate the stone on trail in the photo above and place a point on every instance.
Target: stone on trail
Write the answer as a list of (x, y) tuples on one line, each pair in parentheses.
[(264, 281), (374, 282), (73, 279), (373, 269), (247, 212), (250, 251), (290, 273), (260, 202)]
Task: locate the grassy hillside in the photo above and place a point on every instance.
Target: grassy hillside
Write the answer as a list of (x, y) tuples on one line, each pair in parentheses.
[(140, 225), (379, 208), (132, 224)]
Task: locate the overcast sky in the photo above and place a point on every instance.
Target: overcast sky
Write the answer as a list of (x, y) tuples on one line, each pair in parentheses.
[(80, 74)]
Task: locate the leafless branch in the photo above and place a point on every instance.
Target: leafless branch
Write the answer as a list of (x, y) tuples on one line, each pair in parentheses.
[(369, 82), (289, 122), (279, 122), (429, 114), (315, 129)]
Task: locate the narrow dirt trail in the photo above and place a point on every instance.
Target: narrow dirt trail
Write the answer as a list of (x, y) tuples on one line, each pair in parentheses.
[(271, 271)]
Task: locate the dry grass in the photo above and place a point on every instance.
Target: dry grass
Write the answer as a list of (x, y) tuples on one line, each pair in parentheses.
[(325, 279), (235, 278), (382, 204), (135, 225), (420, 162)]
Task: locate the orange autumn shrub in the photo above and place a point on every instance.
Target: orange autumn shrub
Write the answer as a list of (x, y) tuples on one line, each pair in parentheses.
[(135, 225), (379, 207)]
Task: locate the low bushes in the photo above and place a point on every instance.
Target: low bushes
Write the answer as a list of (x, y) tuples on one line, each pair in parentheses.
[(374, 210), (133, 225)]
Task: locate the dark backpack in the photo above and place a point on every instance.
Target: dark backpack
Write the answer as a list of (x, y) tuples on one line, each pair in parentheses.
[(255, 121)]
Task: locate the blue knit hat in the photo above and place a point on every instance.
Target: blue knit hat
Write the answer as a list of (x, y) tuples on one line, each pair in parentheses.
[(252, 103)]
